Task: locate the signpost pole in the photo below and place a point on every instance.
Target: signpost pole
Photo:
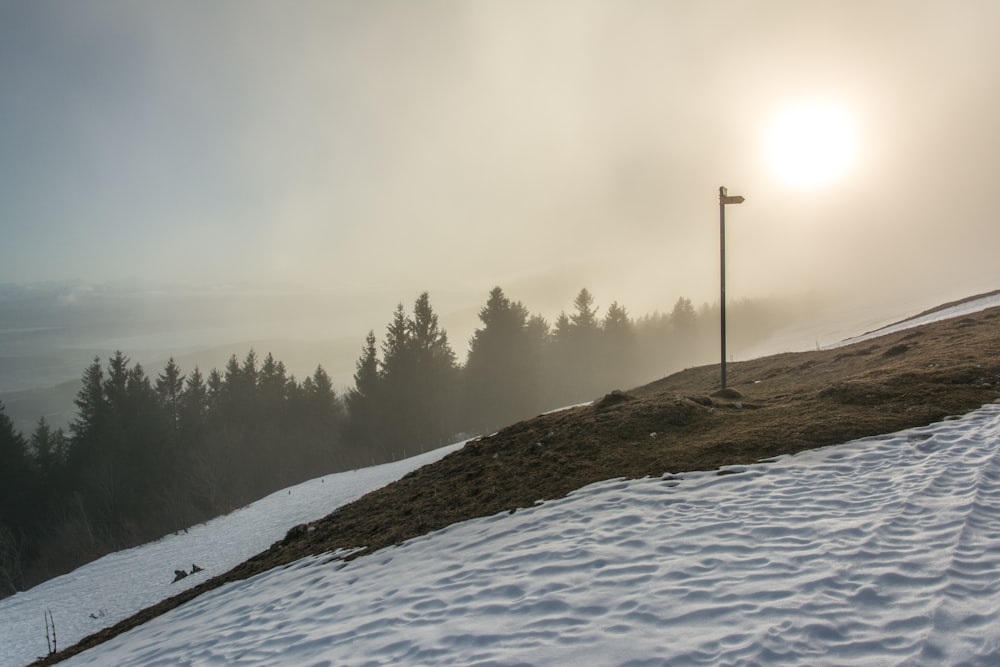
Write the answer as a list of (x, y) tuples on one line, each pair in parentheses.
[(724, 198), (722, 278)]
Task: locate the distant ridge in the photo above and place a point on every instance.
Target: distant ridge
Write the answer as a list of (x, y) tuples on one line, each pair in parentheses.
[(935, 309)]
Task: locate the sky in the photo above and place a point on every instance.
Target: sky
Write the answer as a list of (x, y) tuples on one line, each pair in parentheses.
[(543, 146)]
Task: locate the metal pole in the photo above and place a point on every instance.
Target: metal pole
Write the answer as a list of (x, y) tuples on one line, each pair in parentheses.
[(722, 277)]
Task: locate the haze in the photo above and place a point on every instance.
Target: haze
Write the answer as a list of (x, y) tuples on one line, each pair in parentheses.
[(386, 148)]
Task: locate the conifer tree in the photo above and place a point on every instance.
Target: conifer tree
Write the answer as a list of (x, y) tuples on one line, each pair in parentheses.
[(169, 388), (397, 346), (16, 481), (272, 378), (683, 316), (149, 463), (15, 469), (324, 416), (49, 448), (575, 352), (418, 383), (501, 376), (91, 414), (216, 390), (321, 396), (395, 408), (116, 386), (249, 371), (585, 317), (434, 380), (619, 353), (362, 399), (193, 407)]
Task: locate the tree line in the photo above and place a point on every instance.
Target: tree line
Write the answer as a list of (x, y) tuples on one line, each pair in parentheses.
[(146, 456)]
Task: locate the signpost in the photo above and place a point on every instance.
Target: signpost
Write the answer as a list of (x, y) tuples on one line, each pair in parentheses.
[(724, 199)]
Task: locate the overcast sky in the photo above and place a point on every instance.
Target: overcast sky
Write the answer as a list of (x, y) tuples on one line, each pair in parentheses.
[(542, 146)]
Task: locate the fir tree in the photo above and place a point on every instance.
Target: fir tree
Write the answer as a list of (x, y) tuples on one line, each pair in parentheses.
[(619, 343), (15, 472), (169, 388), (193, 406), (363, 398), (16, 481), (434, 380), (91, 412), (501, 376), (575, 354), (683, 317)]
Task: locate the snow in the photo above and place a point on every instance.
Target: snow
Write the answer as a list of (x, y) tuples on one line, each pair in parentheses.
[(835, 328), (959, 310), (878, 551), (101, 593)]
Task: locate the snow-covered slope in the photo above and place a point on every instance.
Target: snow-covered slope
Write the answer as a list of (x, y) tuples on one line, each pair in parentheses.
[(842, 326), (118, 585), (966, 308), (881, 551)]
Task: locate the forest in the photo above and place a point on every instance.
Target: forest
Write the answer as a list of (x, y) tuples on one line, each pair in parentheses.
[(146, 456)]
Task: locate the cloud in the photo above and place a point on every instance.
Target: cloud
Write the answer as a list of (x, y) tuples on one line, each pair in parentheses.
[(445, 146)]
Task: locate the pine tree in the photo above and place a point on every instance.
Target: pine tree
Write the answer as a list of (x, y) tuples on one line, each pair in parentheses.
[(15, 470), (16, 482), (397, 346), (249, 371), (363, 399), (620, 353), (116, 386), (585, 317), (683, 316), (321, 396), (150, 461), (272, 388), (216, 386), (272, 379), (418, 384), (501, 376), (435, 377), (49, 448), (193, 407), (92, 410), (169, 388), (206, 463), (575, 353), (395, 411), (324, 415)]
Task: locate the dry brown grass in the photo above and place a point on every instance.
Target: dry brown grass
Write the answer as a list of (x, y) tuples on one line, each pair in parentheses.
[(780, 405)]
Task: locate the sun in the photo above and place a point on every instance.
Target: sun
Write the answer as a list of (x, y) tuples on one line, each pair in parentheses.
[(811, 145)]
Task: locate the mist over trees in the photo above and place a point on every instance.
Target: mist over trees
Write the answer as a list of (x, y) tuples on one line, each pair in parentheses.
[(145, 457), (149, 455), (414, 396)]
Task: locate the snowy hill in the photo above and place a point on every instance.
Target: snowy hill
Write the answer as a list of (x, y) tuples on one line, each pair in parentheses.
[(871, 552), (118, 585)]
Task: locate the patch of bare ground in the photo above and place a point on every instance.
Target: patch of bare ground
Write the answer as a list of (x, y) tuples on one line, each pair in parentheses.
[(775, 405)]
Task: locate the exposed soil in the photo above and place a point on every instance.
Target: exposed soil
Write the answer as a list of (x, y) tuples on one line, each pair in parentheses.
[(775, 405)]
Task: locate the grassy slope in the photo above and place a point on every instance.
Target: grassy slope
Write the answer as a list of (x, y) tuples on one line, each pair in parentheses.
[(782, 404)]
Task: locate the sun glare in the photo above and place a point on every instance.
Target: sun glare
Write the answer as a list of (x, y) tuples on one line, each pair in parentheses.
[(811, 145)]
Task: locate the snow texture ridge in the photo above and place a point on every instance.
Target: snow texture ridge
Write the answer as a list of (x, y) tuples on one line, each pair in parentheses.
[(878, 551)]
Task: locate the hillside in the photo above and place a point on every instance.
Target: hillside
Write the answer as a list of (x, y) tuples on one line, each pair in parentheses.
[(781, 404)]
